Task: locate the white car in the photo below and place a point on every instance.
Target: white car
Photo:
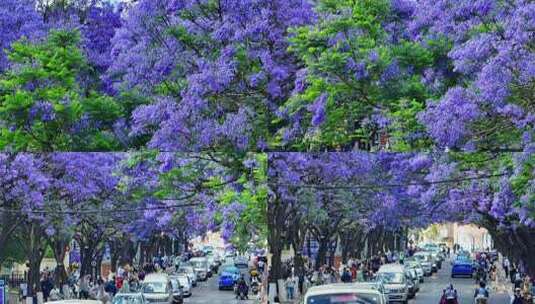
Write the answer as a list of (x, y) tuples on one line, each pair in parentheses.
[(190, 272), (129, 298), (395, 282), (342, 293), (157, 288), (201, 267), (185, 283)]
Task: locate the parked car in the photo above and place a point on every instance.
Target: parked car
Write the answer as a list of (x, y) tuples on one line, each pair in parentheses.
[(414, 264), (178, 293), (412, 282), (342, 293), (395, 282), (201, 267), (229, 276), (425, 260), (156, 288), (190, 272), (185, 283), (462, 267), (128, 298), (414, 276)]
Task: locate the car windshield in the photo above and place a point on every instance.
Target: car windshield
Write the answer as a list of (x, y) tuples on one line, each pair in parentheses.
[(127, 299), (154, 287), (422, 257), (198, 264), (344, 298), (175, 284), (183, 281), (391, 277)]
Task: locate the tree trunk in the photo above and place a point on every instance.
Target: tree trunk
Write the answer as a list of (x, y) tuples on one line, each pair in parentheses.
[(322, 252), (114, 255), (58, 247), (35, 256), (276, 227)]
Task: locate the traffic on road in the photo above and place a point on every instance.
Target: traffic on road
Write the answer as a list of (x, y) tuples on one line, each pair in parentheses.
[(428, 274)]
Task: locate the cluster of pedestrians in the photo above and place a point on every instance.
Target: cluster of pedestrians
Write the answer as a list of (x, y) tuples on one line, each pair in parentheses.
[(103, 288), (354, 270)]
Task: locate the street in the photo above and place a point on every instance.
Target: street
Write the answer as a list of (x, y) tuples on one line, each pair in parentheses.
[(208, 293), (431, 289)]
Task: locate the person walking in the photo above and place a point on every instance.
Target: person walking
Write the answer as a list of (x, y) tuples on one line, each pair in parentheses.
[(517, 298), (506, 266), (346, 276), (290, 287), (84, 287), (301, 282)]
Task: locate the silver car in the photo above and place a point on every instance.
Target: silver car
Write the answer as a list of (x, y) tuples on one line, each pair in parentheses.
[(414, 264), (157, 288), (185, 283), (425, 260), (201, 267), (190, 272), (129, 298), (395, 282)]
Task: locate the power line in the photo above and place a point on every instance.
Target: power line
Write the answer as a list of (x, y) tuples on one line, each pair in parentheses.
[(375, 186), (7, 210)]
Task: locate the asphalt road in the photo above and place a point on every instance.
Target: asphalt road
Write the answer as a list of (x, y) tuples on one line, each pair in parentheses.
[(208, 293), (431, 289)]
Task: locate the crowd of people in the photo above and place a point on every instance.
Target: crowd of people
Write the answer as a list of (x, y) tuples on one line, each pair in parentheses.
[(126, 278), (354, 270)]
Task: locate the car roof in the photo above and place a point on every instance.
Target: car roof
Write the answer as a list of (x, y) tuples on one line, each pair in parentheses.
[(391, 268), (198, 259), (337, 288), (127, 294), (156, 277), (74, 301), (177, 276)]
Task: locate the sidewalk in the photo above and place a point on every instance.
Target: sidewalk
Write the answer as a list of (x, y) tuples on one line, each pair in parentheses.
[(502, 285)]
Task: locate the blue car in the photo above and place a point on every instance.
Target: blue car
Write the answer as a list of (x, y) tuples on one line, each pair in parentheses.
[(462, 267), (229, 276)]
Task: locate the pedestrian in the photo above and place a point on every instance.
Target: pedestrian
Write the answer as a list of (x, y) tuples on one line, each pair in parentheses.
[(517, 298), (301, 278), (512, 273), (126, 286), (346, 276), (84, 287), (518, 280), (46, 286), (290, 287), (110, 287), (506, 265)]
